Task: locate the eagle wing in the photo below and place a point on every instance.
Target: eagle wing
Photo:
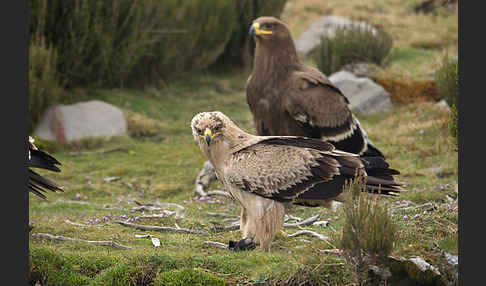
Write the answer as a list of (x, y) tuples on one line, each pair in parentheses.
[(282, 168), (37, 183), (320, 107), (304, 170)]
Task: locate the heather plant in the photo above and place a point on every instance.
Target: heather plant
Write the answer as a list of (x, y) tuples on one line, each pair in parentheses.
[(369, 231), (447, 81), (352, 44)]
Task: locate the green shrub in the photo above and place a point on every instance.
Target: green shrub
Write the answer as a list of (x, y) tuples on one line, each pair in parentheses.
[(117, 43), (352, 44), (186, 277), (44, 86), (99, 42), (369, 231), (447, 81), (190, 36)]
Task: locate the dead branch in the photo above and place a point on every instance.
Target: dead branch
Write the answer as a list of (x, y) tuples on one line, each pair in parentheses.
[(219, 193), (111, 179), (160, 228), (164, 214), (179, 213), (308, 221), (236, 224), (337, 252), (76, 224), (63, 238), (168, 205), (222, 215), (321, 223), (204, 178), (216, 244), (72, 202), (394, 209), (146, 208), (311, 233), (289, 217), (83, 153)]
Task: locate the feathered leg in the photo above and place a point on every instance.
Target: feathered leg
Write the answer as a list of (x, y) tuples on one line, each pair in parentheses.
[(266, 222), (260, 220)]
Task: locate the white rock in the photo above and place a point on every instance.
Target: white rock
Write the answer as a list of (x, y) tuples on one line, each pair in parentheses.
[(68, 123)]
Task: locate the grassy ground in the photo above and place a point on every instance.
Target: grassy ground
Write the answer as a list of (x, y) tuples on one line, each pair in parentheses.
[(160, 161), (163, 168)]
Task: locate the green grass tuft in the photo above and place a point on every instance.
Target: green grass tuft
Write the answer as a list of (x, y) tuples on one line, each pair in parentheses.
[(186, 277)]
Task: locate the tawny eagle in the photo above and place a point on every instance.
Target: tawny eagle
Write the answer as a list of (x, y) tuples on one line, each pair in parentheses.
[(266, 173), (287, 97)]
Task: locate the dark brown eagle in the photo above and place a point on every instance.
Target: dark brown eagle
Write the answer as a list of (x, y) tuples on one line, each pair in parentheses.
[(40, 159), (288, 98)]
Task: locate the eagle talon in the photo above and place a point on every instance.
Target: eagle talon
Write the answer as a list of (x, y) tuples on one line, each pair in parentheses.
[(244, 244)]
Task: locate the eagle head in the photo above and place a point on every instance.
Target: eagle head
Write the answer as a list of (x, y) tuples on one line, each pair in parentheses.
[(208, 127), (268, 28)]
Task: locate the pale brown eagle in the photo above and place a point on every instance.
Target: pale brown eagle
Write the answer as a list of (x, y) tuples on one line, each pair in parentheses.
[(287, 97), (265, 173)]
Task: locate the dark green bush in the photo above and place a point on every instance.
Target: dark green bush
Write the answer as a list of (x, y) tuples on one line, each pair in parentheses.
[(115, 43), (44, 86), (190, 36), (99, 42), (186, 277), (447, 81), (352, 44), (369, 231)]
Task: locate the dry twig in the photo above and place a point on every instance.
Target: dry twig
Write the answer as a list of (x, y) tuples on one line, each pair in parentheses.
[(219, 193), (63, 238), (216, 244), (160, 228), (81, 153), (308, 221), (311, 233), (429, 204)]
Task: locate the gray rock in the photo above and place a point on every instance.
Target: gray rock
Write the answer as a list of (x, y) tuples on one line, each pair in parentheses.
[(325, 26), (361, 69), (423, 265), (415, 270), (68, 123), (364, 95), (443, 104)]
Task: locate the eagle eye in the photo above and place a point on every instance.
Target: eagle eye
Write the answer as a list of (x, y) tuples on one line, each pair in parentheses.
[(267, 26), (199, 131), (218, 128)]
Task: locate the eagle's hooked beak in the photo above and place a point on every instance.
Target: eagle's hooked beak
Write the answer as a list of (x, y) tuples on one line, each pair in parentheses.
[(208, 135), (255, 30)]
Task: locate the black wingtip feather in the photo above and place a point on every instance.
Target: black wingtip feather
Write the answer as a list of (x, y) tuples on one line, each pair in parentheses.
[(37, 183)]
